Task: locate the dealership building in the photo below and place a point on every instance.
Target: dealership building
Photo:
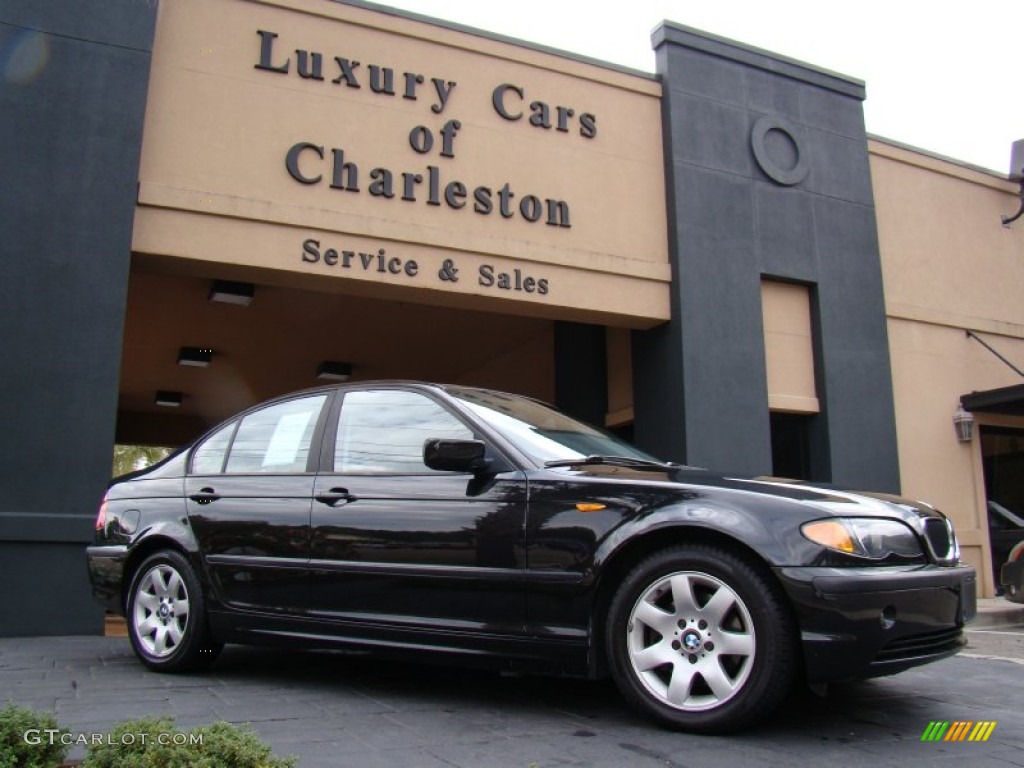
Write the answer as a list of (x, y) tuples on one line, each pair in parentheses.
[(212, 202)]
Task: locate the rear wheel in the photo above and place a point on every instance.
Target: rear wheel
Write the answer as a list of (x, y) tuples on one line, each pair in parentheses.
[(700, 640), (167, 616)]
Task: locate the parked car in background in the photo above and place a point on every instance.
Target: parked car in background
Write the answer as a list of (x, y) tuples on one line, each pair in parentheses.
[(1006, 532), (466, 525)]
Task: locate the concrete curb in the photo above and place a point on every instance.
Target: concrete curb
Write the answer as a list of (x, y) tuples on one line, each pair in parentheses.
[(997, 612)]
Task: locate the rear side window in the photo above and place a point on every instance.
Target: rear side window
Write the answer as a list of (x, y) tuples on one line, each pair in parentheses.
[(276, 438), (208, 458)]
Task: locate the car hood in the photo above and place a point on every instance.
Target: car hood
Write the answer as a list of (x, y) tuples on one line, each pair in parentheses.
[(810, 496), (843, 501)]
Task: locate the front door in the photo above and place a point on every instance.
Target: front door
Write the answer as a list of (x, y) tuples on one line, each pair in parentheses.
[(399, 547)]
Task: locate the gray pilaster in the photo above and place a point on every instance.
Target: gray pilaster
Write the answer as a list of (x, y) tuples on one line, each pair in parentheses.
[(800, 211), (73, 93)]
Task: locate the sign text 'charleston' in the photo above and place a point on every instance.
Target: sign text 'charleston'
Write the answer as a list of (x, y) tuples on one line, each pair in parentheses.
[(312, 162)]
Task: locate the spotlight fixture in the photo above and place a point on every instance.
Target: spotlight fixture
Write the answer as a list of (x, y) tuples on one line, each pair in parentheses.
[(198, 357), (1016, 174), (333, 371), (168, 399), (228, 292)]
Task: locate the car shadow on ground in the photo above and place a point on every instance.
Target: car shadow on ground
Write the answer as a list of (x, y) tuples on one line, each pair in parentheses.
[(885, 708)]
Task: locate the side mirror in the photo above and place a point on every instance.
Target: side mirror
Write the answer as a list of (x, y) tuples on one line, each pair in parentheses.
[(454, 455)]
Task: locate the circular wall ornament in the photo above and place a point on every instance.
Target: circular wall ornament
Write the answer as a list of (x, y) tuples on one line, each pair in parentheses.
[(777, 150)]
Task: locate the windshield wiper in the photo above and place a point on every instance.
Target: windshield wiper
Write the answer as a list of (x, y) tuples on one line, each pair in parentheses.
[(617, 461)]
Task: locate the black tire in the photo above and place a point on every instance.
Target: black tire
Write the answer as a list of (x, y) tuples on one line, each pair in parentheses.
[(700, 640), (166, 616)]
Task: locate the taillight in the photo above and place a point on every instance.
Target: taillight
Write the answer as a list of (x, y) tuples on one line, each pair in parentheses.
[(101, 518)]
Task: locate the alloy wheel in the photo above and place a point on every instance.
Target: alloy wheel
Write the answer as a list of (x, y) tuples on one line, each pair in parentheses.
[(690, 641), (161, 612)]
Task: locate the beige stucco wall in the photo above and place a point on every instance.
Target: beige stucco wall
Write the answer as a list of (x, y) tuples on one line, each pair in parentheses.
[(227, 104), (948, 266), (788, 347), (620, 377)]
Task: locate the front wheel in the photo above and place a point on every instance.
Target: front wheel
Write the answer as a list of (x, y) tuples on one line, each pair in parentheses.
[(700, 640), (167, 616)]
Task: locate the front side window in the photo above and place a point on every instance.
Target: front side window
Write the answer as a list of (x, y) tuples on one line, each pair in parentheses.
[(383, 431), (277, 438)]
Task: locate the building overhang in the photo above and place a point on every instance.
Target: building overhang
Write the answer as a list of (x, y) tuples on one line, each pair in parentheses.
[(1008, 401)]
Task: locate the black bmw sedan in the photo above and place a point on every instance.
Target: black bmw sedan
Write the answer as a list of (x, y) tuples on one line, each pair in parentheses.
[(461, 524)]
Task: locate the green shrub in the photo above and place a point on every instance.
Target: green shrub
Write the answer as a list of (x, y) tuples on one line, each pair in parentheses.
[(24, 742), (137, 744)]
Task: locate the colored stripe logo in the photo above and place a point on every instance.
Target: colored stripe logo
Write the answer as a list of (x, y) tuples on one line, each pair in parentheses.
[(958, 730)]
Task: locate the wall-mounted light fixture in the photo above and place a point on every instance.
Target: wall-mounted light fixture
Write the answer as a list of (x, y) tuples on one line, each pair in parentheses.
[(168, 399), (198, 357), (964, 423), (334, 371), (228, 292), (1016, 174)]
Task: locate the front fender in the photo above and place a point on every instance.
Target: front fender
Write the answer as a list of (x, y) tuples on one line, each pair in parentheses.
[(763, 526)]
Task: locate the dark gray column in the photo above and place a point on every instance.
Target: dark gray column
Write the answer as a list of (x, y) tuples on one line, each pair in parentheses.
[(72, 96), (767, 169)]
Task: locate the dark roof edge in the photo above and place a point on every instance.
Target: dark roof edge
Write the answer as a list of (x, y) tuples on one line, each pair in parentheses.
[(680, 34), (938, 156)]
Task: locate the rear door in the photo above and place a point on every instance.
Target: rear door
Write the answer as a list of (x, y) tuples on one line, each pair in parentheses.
[(249, 495), (400, 546)]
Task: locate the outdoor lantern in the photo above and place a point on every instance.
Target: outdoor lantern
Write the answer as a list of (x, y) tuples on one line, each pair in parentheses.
[(964, 423), (1016, 174)]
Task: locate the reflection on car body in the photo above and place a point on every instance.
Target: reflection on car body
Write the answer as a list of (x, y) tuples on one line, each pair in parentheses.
[(482, 527)]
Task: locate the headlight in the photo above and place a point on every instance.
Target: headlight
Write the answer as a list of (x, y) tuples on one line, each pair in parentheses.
[(864, 537)]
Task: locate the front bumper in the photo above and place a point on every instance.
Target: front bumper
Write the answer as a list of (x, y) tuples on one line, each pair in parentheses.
[(865, 622), (106, 571)]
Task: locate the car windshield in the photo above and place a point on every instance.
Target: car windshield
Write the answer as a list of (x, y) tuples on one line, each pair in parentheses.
[(540, 432)]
